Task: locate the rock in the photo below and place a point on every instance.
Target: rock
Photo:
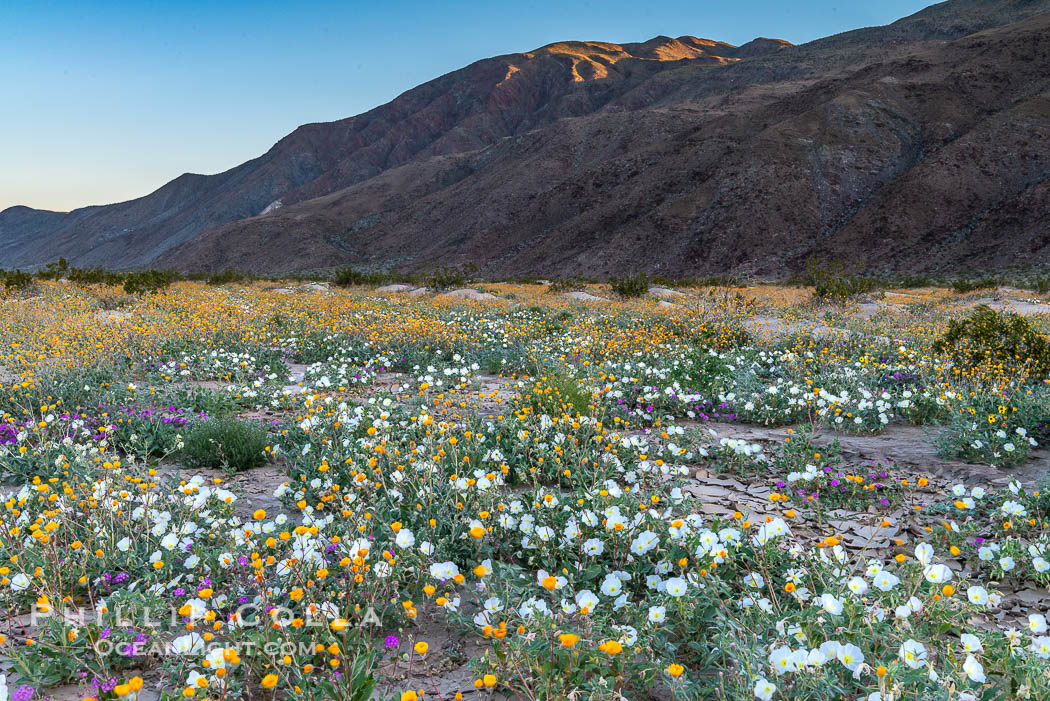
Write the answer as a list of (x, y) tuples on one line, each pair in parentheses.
[(316, 286), (398, 287), (666, 293), (584, 296), (467, 293), (416, 292), (668, 305)]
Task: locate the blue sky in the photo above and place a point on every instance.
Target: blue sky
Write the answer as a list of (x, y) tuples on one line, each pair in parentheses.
[(105, 101)]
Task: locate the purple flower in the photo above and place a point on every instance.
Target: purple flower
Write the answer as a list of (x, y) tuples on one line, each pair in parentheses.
[(391, 641), (24, 693)]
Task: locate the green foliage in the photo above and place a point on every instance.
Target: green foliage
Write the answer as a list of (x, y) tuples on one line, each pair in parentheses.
[(448, 277), (226, 443), (630, 285), (228, 276), (988, 337), (345, 277), (53, 270), (16, 280), (973, 284), (566, 284), (147, 281)]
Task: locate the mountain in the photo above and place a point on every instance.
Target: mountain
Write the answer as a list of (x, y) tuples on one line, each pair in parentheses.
[(923, 145)]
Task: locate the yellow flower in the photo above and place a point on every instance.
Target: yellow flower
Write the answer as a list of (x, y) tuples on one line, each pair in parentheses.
[(568, 639), (421, 648), (269, 681), (259, 514), (675, 670), (477, 532)]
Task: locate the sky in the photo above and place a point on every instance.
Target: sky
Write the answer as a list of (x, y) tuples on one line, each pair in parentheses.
[(106, 101)]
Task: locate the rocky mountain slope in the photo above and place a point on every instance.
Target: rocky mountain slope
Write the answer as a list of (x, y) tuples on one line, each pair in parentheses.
[(923, 145)]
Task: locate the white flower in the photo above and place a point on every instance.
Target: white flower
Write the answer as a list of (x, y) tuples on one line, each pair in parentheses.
[(405, 539), (124, 544), (612, 586), (884, 581), (188, 644), (657, 614), (782, 660), (850, 656), (1037, 623), (586, 599), (924, 553), (676, 586), (19, 582), (857, 585), (831, 604), (973, 669), (937, 574), (970, 642), (977, 595), (646, 541), (764, 689), (1007, 563), (1041, 647), (913, 653)]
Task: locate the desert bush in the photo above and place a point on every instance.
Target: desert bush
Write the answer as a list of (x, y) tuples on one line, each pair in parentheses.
[(225, 443), (227, 276), (148, 281), (446, 277), (839, 288), (345, 277), (16, 280), (566, 284), (991, 338), (630, 286), (973, 284)]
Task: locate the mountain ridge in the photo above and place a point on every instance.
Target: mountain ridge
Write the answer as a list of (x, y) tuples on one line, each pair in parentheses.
[(675, 155)]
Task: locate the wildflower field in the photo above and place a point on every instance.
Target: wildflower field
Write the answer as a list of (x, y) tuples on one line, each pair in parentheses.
[(253, 491)]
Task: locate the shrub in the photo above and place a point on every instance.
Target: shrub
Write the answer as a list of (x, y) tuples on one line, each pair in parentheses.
[(17, 280), (973, 284), (227, 276), (838, 288), (445, 277), (345, 277), (991, 338), (225, 443), (630, 286), (566, 284), (147, 281)]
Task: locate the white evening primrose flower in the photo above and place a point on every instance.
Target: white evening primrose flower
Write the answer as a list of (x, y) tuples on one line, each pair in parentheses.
[(676, 586), (913, 653), (657, 614), (857, 585), (1037, 623), (970, 642), (1041, 647), (885, 581), (977, 595), (830, 604), (850, 656), (937, 574), (974, 670), (764, 689)]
